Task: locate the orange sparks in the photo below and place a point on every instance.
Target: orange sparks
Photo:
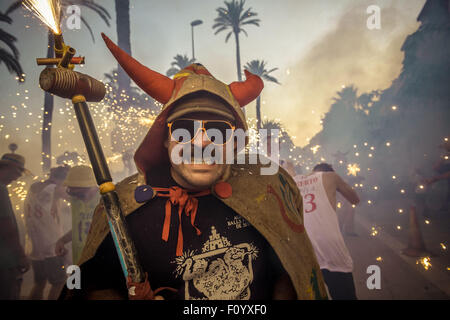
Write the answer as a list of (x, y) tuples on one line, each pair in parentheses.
[(353, 169), (425, 262), (48, 11)]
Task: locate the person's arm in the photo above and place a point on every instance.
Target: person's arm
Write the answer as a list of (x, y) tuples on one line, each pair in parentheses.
[(9, 234), (60, 249), (346, 190), (434, 179), (60, 193), (67, 237), (437, 165)]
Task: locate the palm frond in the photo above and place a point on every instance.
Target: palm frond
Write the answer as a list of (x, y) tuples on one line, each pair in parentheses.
[(101, 8), (108, 77), (11, 63), (270, 78), (13, 7), (228, 36), (9, 40), (247, 14), (234, 16), (271, 125), (98, 9), (245, 32), (254, 22), (180, 62), (101, 11), (86, 24), (255, 67), (220, 29), (258, 67), (5, 18), (172, 71)]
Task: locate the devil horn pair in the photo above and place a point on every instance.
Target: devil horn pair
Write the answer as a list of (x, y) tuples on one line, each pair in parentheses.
[(161, 87)]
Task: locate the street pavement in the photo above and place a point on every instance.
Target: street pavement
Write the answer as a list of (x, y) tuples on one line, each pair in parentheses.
[(379, 242), (402, 277)]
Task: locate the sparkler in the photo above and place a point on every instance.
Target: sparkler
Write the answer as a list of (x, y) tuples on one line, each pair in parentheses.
[(81, 88), (48, 11)]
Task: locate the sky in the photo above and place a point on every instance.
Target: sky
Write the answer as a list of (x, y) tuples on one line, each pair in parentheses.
[(317, 46)]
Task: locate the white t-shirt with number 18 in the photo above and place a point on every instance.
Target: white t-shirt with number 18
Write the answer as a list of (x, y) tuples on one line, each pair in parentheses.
[(321, 224)]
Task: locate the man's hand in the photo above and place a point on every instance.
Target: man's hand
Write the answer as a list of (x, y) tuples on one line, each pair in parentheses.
[(24, 264), (60, 249)]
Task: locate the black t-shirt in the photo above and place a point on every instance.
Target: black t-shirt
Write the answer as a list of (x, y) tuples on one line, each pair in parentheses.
[(230, 259)]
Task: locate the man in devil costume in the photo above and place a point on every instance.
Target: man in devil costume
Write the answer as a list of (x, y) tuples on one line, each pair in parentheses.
[(202, 230)]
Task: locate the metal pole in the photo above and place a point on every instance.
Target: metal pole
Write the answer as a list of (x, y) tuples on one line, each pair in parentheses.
[(66, 83), (192, 32), (124, 245), (193, 24)]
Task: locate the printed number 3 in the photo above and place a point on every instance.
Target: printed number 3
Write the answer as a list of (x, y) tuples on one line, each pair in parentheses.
[(309, 199)]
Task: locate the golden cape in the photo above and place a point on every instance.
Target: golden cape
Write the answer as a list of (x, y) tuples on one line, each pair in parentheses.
[(271, 203)]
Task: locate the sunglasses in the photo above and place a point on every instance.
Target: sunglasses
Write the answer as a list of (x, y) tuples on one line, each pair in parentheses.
[(184, 130)]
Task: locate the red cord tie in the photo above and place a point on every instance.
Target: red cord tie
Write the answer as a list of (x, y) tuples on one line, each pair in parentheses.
[(186, 202)]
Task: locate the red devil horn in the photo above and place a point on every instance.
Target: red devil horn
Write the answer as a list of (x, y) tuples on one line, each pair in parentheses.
[(248, 90), (153, 83)]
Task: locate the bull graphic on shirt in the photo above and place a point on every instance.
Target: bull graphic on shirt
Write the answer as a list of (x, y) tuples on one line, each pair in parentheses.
[(221, 272)]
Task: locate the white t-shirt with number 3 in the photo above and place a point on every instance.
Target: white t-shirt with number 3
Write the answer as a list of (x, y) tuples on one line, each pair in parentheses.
[(321, 224)]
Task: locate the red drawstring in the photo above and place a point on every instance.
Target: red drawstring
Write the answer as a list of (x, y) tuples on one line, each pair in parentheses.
[(186, 202)]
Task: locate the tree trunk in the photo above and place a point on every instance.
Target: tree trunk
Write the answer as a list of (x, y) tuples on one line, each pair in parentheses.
[(238, 56), (47, 118), (258, 112), (238, 61), (123, 40)]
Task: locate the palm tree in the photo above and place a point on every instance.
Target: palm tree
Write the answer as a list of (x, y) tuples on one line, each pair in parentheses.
[(348, 95), (285, 138), (258, 67), (180, 62), (366, 100), (234, 17), (11, 61), (286, 144), (48, 98)]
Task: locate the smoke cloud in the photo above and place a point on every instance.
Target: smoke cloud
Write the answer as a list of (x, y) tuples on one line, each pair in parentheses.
[(349, 54)]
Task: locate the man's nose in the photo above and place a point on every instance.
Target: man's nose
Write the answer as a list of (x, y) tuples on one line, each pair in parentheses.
[(201, 140)]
